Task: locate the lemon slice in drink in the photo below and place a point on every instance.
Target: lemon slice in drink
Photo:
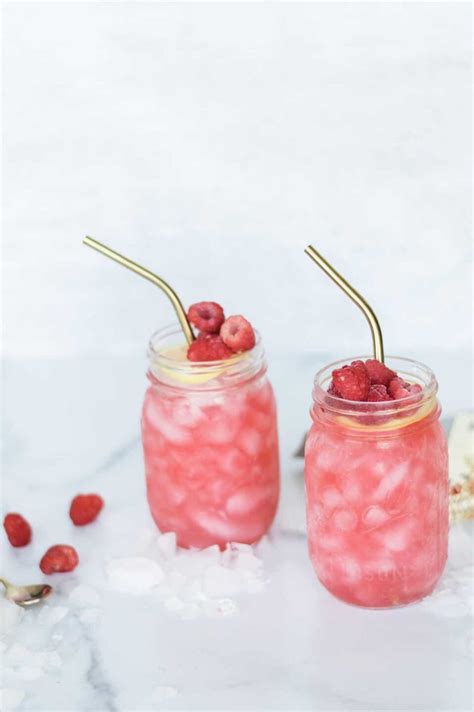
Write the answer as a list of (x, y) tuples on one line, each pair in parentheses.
[(178, 355)]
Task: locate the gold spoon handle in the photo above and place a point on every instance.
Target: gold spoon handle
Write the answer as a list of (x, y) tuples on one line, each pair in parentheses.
[(143, 272), (377, 340)]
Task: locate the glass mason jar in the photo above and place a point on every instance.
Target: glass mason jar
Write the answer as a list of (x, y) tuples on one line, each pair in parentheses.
[(210, 444), (376, 478)]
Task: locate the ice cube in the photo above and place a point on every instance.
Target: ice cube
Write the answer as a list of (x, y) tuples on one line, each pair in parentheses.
[(375, 516), (84, 596), (220, 581), (350, 568), (163, 693), (134, 575), (10, 698), (331, 497), (249, 499), (250, 441), (396, 536), (17, 654), (10, 616), (167, 545), (391, 480), (329, 543), (90, 616), (345, 520), (247, 562), (52, 659), (186, 413), (221, 608), (50, 615), (29, 672)]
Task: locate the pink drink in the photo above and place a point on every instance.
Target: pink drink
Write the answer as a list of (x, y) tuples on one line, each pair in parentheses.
[(376, 479), (211, 447)]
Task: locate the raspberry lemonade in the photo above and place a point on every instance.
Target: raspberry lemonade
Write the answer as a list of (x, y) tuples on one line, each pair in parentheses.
[(376, 475), (209, 433)]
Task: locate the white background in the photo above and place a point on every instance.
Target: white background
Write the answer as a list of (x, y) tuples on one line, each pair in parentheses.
[(211, 143)]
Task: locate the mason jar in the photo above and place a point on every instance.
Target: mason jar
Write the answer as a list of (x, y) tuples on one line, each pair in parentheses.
[(376, 478), (210, 442)]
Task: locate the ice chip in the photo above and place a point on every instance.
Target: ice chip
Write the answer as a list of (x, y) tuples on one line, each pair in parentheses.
[(10, 616), (53, 659), (90, 616), (221, 608), (167, 545), (134, 575), (29, 672), (220, 581), (50, 615), (18, 654), (84, 596), (247, 562)]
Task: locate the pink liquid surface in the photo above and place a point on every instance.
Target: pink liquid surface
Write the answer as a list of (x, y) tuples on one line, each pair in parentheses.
[(377, 511), (211, 461)]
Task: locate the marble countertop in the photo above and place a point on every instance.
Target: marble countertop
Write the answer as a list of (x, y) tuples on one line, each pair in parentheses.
[(279, 642)]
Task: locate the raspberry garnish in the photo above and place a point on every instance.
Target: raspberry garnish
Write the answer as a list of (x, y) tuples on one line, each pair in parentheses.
[(85, 508), (331, 390), (352, 382), (17, 528), (379, 373), (398, 388), (206, 316), (237, 333), (59, 559), (208, 347), (378, 393)]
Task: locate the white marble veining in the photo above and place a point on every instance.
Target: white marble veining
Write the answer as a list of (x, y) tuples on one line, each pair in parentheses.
[(71, 426)]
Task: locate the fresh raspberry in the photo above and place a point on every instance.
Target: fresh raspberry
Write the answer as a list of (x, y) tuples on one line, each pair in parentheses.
[(59, 558), (208, 347), (379, 373), (17, 528), (398, 388), (237, 333), (378, 393), (331, 390), (85, 508), (206, 316), (351, 382)]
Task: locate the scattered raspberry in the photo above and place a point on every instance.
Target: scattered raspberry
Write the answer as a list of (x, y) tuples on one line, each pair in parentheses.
[(351, 382), (379, 373), (17, 528), (206, 316), (208, 347), (85, 508), (398, 388), (237, 333), (59, 558), (377, 393)]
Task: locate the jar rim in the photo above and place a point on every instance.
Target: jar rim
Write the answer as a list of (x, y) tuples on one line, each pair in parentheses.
[(410, 369), (199, 374)]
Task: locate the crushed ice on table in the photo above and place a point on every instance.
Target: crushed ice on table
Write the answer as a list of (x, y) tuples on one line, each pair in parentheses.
[(50, 615), (84, 596), (191, 583), (134, 575), (27, 664), (10, 616)]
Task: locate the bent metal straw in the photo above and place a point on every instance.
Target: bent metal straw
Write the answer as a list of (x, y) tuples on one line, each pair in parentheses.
[(143, 272), (357, 298)]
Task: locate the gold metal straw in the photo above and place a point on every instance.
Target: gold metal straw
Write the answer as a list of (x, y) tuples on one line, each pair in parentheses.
[(143, 272), (357, 298)]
